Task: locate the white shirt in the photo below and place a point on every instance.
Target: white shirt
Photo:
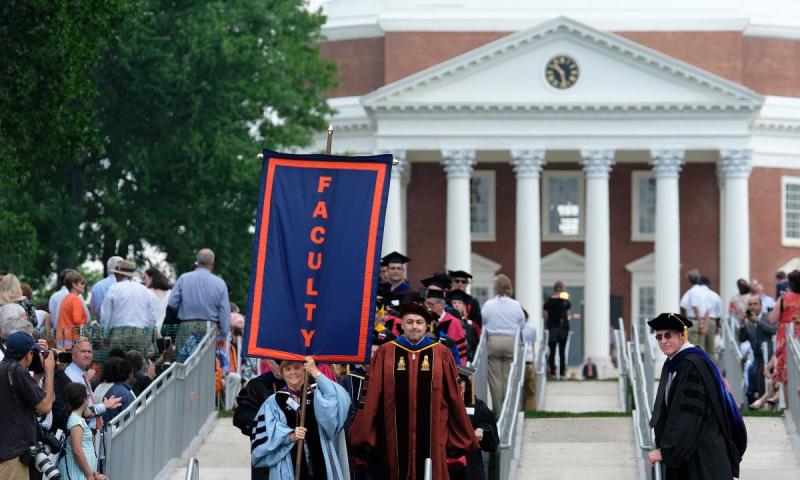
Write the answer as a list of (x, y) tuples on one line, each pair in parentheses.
[(695, 297), (76, 374), (767, 303), (714, 302), (128, 304), (529, 336), (161, 308), (502, 316)]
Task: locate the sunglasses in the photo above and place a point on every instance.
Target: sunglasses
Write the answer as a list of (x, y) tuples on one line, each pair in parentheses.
[(665, 336), (460, 280)]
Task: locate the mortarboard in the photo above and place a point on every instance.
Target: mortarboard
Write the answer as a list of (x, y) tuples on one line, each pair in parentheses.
[(670, 321), (395, 257), (458, 274), (381, 335), (433, 293), (413, 308), (438, 279), (459, 295), (467, 375)]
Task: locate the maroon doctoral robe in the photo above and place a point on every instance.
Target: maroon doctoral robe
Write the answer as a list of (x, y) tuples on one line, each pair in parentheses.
[(413, 410)]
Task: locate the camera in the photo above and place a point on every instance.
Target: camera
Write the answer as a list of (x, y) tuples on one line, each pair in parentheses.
[(38, 455), (36, 362), (64, 357)]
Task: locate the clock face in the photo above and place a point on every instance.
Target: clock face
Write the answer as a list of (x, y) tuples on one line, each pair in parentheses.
[(561, 72)]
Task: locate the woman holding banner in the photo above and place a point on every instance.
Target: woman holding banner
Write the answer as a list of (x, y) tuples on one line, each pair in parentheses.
[(278, 430)]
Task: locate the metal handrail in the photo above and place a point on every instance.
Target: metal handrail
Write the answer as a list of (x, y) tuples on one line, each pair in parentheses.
[(175, 407), (621, 353), (193, 469), (481, 364), (732, 358), (509, 414), (642, 411), (792, 390), (541, 369)]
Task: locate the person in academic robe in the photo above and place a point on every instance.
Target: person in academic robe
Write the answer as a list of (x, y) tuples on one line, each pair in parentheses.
[(699, 431), (446, 325), (396, 272), (278, 432), (461, 281), (460, 299), (485, 429), (412, 409)]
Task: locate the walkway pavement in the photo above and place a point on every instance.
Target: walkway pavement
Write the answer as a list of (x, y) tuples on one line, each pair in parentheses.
[(225, 454), (600, 448), (770, 454)]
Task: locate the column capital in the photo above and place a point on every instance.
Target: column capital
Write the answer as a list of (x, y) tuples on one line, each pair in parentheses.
[(399, 169), (735, 163), (667, 163), (528, 163), (458, 163), (597, 162)]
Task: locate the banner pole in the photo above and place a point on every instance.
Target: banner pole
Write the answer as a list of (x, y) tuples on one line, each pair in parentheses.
[(299, 457)]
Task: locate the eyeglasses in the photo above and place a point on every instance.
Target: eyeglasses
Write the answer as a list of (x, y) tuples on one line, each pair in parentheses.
[(665, 336), (460, 280)]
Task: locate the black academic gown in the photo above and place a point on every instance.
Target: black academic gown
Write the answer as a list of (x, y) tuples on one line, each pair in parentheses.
[(481, 417), (690, 424)]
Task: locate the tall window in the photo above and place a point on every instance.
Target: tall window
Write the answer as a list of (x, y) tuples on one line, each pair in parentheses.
[(562, 205), (643, 206), (647, 303), (790, 203), (482, 205)]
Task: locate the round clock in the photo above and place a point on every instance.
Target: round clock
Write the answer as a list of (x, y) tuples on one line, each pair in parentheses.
[(561, 72)]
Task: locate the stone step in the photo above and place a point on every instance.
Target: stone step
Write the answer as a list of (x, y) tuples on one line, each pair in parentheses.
[(225, 454), (567, 448), (581, 396), (770, 451)]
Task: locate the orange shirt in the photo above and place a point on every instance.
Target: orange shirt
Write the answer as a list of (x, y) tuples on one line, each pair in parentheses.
[(71, 314)]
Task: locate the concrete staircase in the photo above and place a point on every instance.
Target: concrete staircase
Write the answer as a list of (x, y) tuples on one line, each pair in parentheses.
[(225, 454), (772, 452), (600, 448)]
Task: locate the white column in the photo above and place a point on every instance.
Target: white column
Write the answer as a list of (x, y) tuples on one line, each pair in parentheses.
[(735, 166), (528, 252), (458, 164), (597, 294), (393, 227), (404, 198), (667, 166)]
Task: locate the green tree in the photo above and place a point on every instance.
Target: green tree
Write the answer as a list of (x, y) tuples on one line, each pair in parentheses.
[(51, 48), (189, 95)]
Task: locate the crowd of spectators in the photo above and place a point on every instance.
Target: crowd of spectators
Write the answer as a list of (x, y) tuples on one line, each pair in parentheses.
[(759, 321), (73, 364)]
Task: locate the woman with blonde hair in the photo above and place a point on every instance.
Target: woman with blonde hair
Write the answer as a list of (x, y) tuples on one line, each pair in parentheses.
[(11, 292)]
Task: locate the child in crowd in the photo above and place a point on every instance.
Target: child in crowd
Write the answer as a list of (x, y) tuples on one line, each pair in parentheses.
[(80, 459)]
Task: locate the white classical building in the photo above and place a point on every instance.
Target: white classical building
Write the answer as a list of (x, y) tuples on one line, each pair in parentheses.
[(610, 148)]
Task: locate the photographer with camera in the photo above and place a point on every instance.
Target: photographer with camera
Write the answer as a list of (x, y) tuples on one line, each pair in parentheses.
[(756, 329), (20, 399)]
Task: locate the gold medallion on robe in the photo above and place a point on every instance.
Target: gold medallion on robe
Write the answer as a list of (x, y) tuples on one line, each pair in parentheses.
[(401, 364), (426, 365)]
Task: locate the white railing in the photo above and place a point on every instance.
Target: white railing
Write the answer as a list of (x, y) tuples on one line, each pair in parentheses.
[(162, 422), (732, 359), (622, 364), (480, 362), (792, 390), (510, 421), (193, 469), (541, 369), (638, 354)]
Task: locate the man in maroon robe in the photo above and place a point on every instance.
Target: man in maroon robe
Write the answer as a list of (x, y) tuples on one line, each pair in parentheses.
[(413, 409)]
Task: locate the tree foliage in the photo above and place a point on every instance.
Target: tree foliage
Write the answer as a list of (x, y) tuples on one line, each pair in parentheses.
[(183, 97)]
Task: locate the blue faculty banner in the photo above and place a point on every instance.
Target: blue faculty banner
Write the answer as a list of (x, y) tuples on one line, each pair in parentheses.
[(319, 228)]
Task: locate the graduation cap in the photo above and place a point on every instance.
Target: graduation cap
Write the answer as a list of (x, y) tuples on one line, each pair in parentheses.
[(433, 293), (467, 376), (458, 274), (670, 321), (439, 279), (410, 296), (394, 257), (459, 295), (381, 335), (383, 296), (414, 308)]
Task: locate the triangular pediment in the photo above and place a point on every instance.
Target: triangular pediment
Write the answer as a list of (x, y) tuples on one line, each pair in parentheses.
[(646, 264), (563, 260), (613, 74)]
